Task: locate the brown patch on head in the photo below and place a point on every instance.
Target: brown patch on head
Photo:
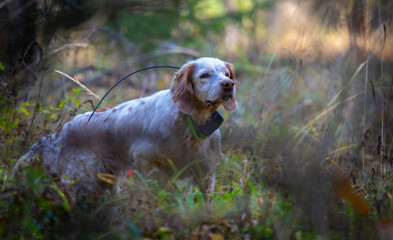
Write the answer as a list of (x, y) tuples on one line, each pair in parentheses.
[(231, 71), (182, 90), (107, 108), (232, 104)]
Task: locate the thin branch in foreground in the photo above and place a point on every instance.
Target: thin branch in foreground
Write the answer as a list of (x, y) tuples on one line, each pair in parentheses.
[(74, 79), (65, 46)]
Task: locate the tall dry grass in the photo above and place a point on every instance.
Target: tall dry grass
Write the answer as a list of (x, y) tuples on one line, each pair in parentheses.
[(307, 155)]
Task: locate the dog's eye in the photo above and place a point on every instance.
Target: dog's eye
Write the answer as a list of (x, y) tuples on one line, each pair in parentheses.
[(227, 74), (205, 75)]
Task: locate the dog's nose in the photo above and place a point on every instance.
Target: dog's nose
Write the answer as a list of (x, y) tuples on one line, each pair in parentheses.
[(227, 85)]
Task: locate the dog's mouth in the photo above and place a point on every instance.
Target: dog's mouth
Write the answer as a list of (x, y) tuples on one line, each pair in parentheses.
[(210, 103), (223, 100), (227, 98)]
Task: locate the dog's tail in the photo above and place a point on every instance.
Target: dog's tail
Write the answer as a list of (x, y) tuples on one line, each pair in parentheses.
[(28, 157)]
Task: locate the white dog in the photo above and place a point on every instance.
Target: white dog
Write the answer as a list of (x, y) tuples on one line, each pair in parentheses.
[(150, 134)]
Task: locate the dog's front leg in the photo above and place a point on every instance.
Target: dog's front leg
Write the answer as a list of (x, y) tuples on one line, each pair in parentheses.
[(210, 183)]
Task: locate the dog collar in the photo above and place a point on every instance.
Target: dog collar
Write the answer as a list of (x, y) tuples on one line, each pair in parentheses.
[(205, 130)]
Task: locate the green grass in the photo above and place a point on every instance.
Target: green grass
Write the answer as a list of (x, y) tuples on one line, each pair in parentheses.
[(290, 169), (308, 154)]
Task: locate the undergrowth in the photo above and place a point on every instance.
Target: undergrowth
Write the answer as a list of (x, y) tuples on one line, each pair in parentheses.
[(288, 170), (307, 155)]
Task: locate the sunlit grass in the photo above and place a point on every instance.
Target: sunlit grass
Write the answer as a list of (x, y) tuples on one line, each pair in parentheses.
[(308, 154)]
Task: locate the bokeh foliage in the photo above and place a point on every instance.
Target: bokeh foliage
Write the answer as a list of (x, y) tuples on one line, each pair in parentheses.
[(307, 155)]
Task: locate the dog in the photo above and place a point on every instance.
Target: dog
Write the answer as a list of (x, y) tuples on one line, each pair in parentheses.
[(153, 135)]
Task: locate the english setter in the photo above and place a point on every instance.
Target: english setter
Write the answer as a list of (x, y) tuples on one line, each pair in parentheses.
[(152, 134)]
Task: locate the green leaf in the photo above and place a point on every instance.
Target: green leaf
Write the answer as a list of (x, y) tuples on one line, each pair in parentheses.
[(77, 102), (66, 205), (2, 67), (25, 104), (24, 111), (44, 111), (62, 103), (53, 116), (76, 91)]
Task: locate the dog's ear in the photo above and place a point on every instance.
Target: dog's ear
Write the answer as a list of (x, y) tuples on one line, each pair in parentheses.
[(232, 104), (182, 90)]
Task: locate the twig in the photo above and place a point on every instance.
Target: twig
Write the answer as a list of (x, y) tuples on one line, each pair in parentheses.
[(366, 80), (382, 45), (388, 110), (90, 33), (118, 37), (36, 108), (22, 8), (79, 83), (71, 45)]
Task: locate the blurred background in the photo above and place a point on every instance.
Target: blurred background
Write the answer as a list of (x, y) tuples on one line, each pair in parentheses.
[(312, 137)]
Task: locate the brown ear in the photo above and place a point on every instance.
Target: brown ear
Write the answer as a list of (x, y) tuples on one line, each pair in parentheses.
[(230, 68), (182, 90)]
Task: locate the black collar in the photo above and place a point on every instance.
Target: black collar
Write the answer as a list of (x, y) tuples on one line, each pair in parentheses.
[(205, 130)]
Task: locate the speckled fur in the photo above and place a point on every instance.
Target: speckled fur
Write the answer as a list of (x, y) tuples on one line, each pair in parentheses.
[(143, 134)]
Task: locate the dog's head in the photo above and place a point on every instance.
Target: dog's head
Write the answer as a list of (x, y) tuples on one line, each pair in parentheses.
[(204, 83)]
